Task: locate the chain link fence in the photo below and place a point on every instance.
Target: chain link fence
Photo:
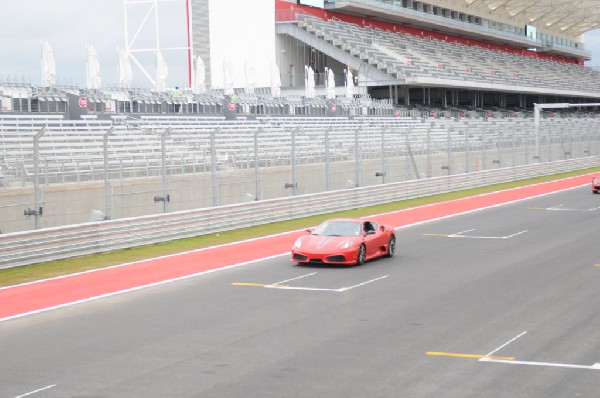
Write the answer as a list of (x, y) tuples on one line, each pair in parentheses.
[(65, 177)]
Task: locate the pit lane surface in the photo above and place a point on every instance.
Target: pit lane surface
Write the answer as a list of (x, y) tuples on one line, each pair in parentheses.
[(496, 303)]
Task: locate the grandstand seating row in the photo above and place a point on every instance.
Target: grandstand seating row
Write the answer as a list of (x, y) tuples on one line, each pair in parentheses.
[(77, 153), (408, 57)]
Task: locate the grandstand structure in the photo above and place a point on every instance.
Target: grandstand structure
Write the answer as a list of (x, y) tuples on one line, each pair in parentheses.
[(438, 88), (440, 55)]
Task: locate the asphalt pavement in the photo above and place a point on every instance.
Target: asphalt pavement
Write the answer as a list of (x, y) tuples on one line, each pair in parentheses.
[(501, 302)]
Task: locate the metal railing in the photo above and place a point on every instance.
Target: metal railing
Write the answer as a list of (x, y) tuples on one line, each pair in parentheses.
[(130, 173), (24, 248)]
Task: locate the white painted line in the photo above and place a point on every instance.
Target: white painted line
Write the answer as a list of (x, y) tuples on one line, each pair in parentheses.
[(259, 259), (507, 343), (293, 279), (141, 287), (495, 237), (550, 364), (479, 209), (343, 289), (560, 208), (362, 284), (299, 230), (462, 232), (300, 288), (517, 234), (36, 391), (158, 258), (566, 209), (458, 235)]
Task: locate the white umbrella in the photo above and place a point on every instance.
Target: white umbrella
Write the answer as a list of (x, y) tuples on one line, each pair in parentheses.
[(124, 70), (92, 68), (199, 76), (228, 76), (330, 84), (310, 82), (349, 84), (275, 81), (250, 78), (162, 72), (48, 65)]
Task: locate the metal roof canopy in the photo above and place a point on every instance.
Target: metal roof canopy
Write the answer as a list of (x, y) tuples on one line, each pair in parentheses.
[(569, 18)]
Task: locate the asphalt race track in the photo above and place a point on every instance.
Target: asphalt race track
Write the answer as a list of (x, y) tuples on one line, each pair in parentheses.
[(501, 302)]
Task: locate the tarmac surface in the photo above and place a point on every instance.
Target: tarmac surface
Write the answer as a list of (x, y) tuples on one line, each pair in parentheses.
[(500, 302)]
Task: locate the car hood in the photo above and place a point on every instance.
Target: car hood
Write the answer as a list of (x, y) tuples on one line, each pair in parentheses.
[(320, 243)]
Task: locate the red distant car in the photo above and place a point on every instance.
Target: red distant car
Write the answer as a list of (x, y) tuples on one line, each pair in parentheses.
[(345, 241), (596, 184)]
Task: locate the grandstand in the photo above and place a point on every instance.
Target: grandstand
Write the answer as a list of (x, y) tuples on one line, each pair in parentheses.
[(435, 91), (403, 54)]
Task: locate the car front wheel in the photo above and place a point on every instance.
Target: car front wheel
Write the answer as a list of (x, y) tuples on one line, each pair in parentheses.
[(362, 255), (391, 246)]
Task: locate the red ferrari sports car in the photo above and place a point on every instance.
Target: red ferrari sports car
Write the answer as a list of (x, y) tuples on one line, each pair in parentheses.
[(344, 241), (596, 184)]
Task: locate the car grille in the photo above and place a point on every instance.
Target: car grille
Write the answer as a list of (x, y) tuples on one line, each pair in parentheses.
[(336, 259), (300, 257)]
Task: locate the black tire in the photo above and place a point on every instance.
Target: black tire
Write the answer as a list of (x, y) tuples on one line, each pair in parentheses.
[(362, 255), (391, 246)]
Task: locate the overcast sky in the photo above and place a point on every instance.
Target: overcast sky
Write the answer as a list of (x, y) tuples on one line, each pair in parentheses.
[(70, 25)]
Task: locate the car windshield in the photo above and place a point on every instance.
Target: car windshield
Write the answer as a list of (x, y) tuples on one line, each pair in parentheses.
[(338, 228), (597, 180)]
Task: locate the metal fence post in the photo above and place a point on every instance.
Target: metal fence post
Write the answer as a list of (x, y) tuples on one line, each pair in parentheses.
[(536, 121), (356, 158), (483, 157), (213, 168), (107, 205), (37, 211), (514, 148), (383, 160), (526, 146), (449, 150), (166, 197), (327, 164), (294, 183), (256, 181), (498, 148), (549, 143), (429, 151), (467, 148)]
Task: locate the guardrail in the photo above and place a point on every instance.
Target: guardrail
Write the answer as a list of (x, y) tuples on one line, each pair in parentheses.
[(24, 248)]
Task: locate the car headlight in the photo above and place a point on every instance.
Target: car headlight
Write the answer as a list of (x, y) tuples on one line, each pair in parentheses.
[(298, 243), (347, 245)]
